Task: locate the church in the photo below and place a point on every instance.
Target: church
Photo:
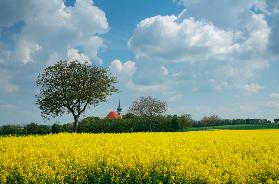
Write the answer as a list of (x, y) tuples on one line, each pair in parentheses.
[(115, 115)]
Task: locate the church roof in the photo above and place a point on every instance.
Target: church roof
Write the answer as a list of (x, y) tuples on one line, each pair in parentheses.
[(113, 115)]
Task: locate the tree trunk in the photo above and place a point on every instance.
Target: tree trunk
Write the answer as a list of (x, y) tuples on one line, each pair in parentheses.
[(75, 123)]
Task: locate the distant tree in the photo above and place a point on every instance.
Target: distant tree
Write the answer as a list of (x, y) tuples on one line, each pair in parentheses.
[(128, 116), (70, 87), (175, 122), (56, 128), (11, 129), (31, 128), (185, 121), (148, 107), (34, 128), (211, 120)]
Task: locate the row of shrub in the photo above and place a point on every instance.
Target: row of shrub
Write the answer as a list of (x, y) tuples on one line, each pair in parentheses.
[(219, 122), (168, 123), (129, 123)]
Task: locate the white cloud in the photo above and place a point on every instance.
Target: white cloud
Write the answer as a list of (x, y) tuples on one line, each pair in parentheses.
[(164, 70), (225, 14), (125, 71), (74, 54), (89, 17), (190, 40), (7, 18), (164, 38), (25, 50), (252, 88), (235, 15), (51, 27), (231, 55)]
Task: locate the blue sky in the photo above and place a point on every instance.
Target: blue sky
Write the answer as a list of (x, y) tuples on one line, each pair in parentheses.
[(202, 58)]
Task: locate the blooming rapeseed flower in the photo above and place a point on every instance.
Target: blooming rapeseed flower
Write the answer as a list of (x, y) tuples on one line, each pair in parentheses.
[(236, 156)]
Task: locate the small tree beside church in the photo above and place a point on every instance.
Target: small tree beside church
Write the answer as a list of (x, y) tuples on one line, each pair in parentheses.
[(70, 87), (148, 108)]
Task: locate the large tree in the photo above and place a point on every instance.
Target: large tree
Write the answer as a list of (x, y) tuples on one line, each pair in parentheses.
[(148, 108), (211, 120), (70, 87)]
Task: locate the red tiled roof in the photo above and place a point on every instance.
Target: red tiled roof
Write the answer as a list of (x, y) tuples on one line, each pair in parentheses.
[(113, 115)]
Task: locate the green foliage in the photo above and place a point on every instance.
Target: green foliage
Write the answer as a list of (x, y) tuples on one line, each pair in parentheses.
[(11, 130), (210, 120), (168, 123), (128, 116), (135, 124), (219, 122), (33, 128), (70, 87), (148, 108), (185, 122)]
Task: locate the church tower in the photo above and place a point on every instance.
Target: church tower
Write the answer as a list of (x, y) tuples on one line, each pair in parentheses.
[(119, 109)]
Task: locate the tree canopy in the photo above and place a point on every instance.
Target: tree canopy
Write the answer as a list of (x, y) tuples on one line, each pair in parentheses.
[(210, 120), (148, 107), (70, 87)]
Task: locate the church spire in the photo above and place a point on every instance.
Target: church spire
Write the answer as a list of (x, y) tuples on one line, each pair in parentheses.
[(119, 109)]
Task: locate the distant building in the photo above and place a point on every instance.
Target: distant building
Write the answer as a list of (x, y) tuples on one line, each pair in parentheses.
[(276, 120), (115, 115)]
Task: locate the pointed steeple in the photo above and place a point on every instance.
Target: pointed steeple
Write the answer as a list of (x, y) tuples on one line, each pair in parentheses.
[(119, 109)]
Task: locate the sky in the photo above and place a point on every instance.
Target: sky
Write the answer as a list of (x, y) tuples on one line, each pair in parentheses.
[(201, 58)]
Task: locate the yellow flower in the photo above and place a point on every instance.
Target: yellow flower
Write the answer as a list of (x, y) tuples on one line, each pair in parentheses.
[(229, 156)]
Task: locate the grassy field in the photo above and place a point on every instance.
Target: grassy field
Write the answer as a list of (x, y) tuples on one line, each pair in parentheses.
[(225, 156), (236, 127)]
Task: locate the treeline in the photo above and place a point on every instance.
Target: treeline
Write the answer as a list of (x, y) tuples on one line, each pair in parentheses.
[(211, 121), (129, 123), (170, 123)]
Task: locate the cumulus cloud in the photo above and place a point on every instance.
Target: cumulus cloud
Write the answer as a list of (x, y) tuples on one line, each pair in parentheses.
[(126, 69), (233, 54), (52, 28), (235, 14), (164, 38), (191, 40), (125, 72), (7, 18), (74, 54), (25, 49), (225, 14)]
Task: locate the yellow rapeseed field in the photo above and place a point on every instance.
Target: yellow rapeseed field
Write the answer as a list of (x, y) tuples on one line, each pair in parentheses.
[(227, 156)]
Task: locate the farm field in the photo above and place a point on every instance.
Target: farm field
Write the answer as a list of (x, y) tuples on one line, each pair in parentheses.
[(224, 156), (236, 127)]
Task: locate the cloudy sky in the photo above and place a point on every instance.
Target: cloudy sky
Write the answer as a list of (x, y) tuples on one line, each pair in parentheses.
[(202, 58)]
